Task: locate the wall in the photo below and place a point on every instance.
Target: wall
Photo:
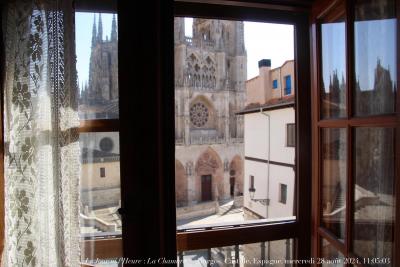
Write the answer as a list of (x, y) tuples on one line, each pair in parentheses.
[(253, 95), (92, 140), (90, 175), (189, 156), (259, 89), (99, 191), (278, 174), (256, 135), (256, 146)]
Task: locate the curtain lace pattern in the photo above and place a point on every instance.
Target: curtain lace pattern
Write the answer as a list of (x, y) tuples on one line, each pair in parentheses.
[(41, 135)]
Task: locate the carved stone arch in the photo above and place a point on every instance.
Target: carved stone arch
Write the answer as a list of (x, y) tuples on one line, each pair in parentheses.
[(193, 57), (209, 60), (210, 163), (192, 69), (236, 174), (202, 113), (181, 184)]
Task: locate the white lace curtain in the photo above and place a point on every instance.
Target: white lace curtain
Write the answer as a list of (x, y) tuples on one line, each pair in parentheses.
[(41, 137)]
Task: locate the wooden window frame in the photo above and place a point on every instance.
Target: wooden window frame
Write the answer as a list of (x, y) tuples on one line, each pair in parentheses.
[(2, 184), (331, 11), (148, 141), (100, 246), (248, 233)]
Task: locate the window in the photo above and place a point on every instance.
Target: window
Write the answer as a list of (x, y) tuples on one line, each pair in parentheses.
[(275, 84), (211, 163), (146, 159), (282, 193), (290, 135), (288, 85), (251, 182), (356, 130), (97, 70), (102, 172)]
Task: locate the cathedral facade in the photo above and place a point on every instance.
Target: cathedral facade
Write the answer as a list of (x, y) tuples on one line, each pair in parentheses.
[(99, 97), (210, 75)]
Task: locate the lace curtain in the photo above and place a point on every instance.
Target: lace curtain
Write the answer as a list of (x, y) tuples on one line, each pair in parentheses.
[(41, 137)]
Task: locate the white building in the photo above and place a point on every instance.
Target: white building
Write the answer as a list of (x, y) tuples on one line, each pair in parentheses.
[(269, 142)]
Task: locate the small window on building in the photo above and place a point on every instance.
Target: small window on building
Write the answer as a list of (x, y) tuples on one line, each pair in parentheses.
[(288, 85), (275, 84), (251, 182), (102, 172), (282, 193), (290, 135)]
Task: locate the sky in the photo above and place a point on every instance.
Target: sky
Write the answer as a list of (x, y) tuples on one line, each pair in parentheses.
[(83, 36), (262, 41), (369, 50)]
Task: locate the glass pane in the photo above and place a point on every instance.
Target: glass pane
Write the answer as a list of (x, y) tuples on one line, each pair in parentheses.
[(220, 69), (273, 253), (100, 191), (97, 65), (375, 57), (333, 55), (374, 200), (334, 173), (330, 256)]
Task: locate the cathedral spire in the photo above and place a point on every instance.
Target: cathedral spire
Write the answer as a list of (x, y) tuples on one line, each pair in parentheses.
[(114, 29), (100, 31), (94, 32)]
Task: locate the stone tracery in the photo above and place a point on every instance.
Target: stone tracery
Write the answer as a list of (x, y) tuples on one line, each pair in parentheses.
[(199, 114)]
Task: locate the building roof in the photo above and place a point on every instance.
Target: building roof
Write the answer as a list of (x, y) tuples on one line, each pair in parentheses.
[(276, 103)]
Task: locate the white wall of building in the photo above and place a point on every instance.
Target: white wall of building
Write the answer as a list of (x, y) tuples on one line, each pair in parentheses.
[(256, 146), (256, 135)]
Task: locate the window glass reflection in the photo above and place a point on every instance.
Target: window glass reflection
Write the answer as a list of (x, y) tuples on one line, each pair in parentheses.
[(375, 57), (334, 180), (333, 87), (373, 192), (273, 253), (330, 255)]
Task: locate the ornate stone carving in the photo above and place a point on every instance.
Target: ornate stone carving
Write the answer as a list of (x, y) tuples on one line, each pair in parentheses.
[(199, 114), (206, 164)]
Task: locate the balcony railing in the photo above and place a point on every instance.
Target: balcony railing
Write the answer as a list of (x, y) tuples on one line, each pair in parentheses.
[(203, 140), (200, 43), (208, 140)]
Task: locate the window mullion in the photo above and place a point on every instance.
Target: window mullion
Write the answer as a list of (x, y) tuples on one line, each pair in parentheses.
[(103, 125), (349, 107)]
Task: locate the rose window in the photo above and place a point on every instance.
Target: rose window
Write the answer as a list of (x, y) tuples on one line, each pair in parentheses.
[(199, 114)]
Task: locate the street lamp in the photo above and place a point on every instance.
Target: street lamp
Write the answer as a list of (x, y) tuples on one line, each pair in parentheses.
[(263, 201)]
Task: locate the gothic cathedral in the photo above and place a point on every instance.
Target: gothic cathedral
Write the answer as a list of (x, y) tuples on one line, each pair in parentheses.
[(210, 75)]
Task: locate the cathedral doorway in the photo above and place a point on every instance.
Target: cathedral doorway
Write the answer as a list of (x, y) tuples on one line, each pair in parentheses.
[(209, 173), (232, 185), (206, 187), (181, 184), (236, 176)]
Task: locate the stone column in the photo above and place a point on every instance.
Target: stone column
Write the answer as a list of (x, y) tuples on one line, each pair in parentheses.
[(226, 116), (186, 118), (191, 176)]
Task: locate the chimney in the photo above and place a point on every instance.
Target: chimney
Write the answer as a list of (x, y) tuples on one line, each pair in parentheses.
[(264, 66), (264, 63)]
